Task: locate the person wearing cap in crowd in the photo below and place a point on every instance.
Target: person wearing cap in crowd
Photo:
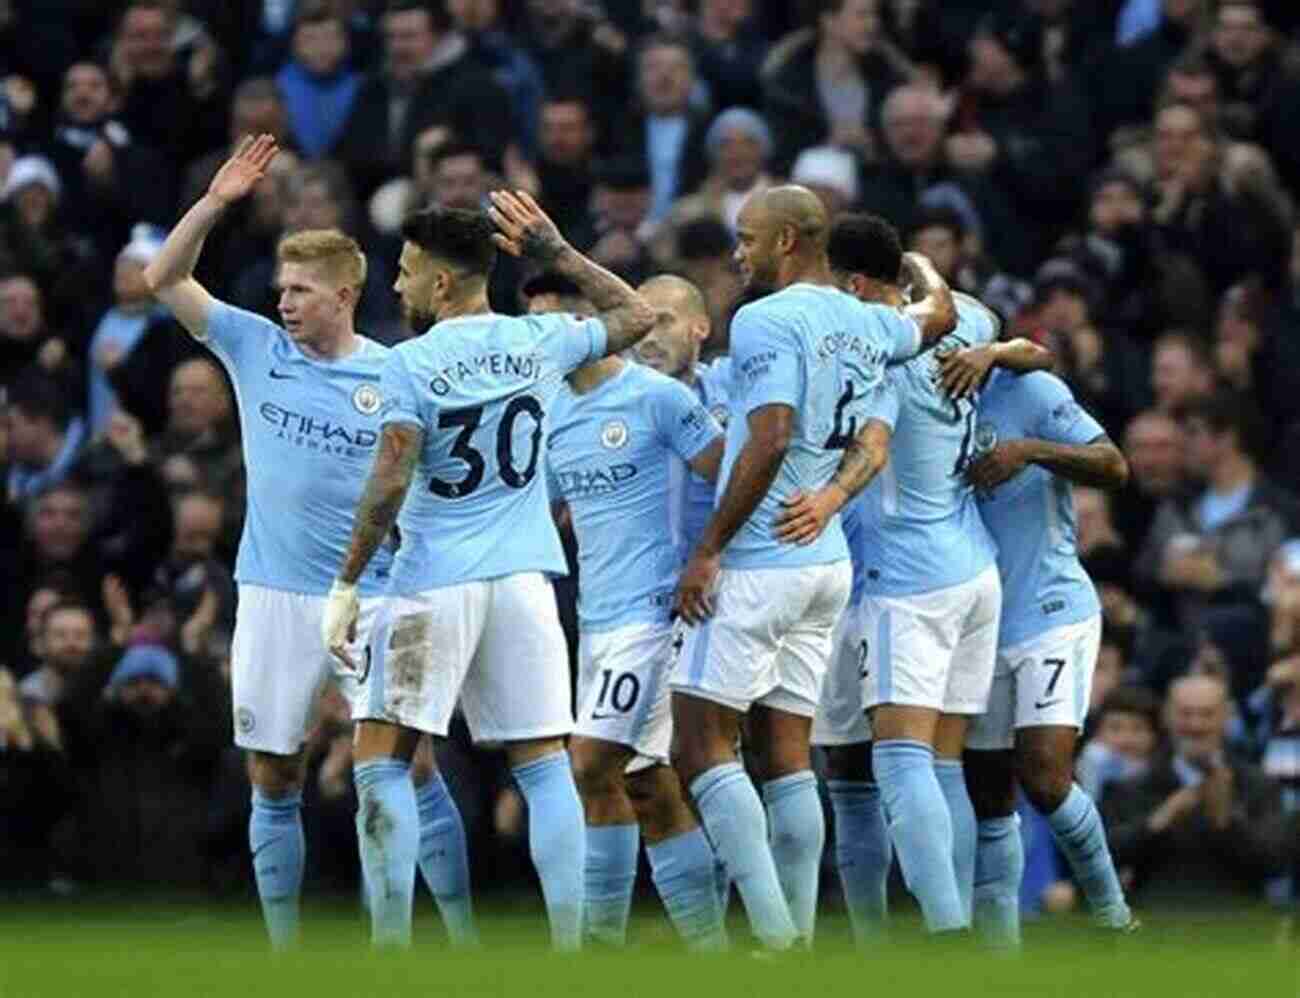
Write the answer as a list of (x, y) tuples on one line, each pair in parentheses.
[(831, 173), (1028, 136), (738, 145), (122, 326)]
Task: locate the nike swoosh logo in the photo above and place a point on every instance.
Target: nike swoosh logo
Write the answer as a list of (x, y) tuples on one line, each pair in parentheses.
[(281, 377), (1044, 704), (603, 717)]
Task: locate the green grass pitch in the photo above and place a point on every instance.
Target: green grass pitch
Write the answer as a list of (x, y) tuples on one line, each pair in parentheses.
[(99, 949)]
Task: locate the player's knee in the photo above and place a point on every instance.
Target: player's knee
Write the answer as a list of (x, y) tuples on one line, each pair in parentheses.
[(597, 773), (653, 800), (275, 775), (1046, 773), (991, 783)]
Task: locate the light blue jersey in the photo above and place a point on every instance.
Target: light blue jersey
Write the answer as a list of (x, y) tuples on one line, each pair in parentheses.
[(713, 388), (618, 456), (1031, 517), (919, 514), (310, 428), (481, 387), (823, 353)]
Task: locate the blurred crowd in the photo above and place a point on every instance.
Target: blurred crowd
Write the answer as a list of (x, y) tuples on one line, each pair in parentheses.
[(1115, 176)]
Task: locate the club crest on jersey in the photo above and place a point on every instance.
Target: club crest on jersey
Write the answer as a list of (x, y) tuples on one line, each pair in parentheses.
[(613, 434), (986, 438), (367, 399)]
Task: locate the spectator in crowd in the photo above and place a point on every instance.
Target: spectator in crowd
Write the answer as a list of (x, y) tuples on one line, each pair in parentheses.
[(200, 588), (1153, 447), (831, 173), (704, 257), (1125, 734), (738, 146), (171, 104), (565, 166), (1211, 548), (201, 426), (669, 135), (1246, 59), (122, 326), (729, 52), (55, 539), (25, 338), (1280, 757), (1200, 827), (68, 643), (110, 181), (621, 202), (45, 438), (826, 87), (427, 79), (1182, 371), (319, 84), (1027, 135)]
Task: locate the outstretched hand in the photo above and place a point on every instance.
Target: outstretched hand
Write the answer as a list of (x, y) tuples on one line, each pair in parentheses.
[(240, 174), (523, 229)]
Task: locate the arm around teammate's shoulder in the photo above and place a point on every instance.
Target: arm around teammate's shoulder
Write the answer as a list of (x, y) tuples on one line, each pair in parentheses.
[(170, 276), (933, 307)]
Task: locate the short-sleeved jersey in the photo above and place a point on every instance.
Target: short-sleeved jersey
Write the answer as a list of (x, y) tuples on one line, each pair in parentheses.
[(822, 353), (309, 429), (920, 513), (618, 456), (713, 388), (1031, 517), (481, 387)]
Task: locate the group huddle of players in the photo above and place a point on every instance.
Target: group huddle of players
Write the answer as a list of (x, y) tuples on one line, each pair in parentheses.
[(855, 531)]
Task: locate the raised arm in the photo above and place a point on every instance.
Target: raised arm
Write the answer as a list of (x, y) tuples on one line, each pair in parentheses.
[(170, 277), (390, 477), (932, 303), (525, 230)]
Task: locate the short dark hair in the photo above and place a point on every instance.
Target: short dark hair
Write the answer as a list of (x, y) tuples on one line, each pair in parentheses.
[(866, 244), (1228, 411), (317, 12), (451, 149), (550, 283), (39, 396), (1132, 700), (462, 238), (938, 216), (439, 19), (703, 239)]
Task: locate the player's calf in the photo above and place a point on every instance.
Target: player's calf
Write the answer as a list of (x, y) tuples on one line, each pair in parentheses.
[(862, 849), (999, 854), (275, 839), (613, 839)]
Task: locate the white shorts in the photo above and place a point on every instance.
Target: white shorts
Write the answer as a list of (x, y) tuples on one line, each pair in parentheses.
[(279, 665), (841, 717), (495, 645), (1045, 681), (933, 649), (768, 640), (623, 690)]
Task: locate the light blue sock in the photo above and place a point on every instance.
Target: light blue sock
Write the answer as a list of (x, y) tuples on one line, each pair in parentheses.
[(920, 828), (275, 837), (952, 781), (388, 830), (999, 867), (737, 827), (1079, 833), (444, 859), (862, 854), (557, 841), (608, 880), (684, 871), (797, 829)]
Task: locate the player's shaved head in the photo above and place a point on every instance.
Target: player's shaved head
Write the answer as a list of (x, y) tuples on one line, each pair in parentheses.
[(679, 292), (798, 207)]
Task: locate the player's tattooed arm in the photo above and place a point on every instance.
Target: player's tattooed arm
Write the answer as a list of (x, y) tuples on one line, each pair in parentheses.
[(390, 477), (525, 230), (1099, 464), (806, 515), (932, 304)]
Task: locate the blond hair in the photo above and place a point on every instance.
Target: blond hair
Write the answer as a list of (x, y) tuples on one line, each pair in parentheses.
[(339, 256)]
